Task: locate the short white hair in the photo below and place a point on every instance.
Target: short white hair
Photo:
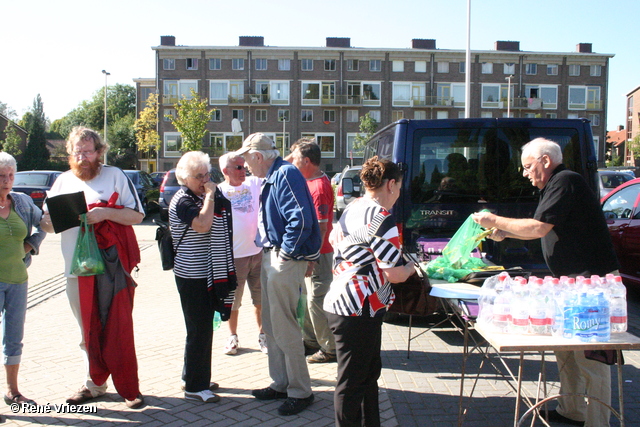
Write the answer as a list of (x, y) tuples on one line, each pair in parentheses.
[(267, 154), (227, 158), (542, 146), (190, 162), (8, 161)]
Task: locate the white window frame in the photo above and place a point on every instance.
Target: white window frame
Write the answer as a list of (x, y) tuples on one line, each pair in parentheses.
[(182, 88), (284, 64), (450, 94), (487, 68), (353, 65), (237, 64), (396, 115), (595, 70), (330, 64), (462, 67), (372, 102), (397, 66), (216, 115), (547, 103), (168, 64), (277, 92), (237, 114), (552, 69), (442, 67), (306, 64), (442, 114), (303, 88), (306, 115), (375, 65), (350, 153), (494, 103), (194, 64), (531, 68), (351, 114), (419, 115), (575, 105), (329, 116), (420, 66), (509, 68), (261, 115), (326, 154), (261, 64), (284, 113), (219, 101), (166, 138), (215, 63), (168, 114), (401, 94), (376, 115), (595, 119), (574, 70)]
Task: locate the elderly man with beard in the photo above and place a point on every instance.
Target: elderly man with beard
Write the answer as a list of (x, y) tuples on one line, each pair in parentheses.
[(113, 206)]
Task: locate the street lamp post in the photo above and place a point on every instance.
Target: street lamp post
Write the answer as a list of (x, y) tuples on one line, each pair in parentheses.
[(105, 112), (508, 79)]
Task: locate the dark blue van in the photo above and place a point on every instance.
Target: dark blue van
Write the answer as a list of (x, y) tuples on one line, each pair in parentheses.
[(456, 167)]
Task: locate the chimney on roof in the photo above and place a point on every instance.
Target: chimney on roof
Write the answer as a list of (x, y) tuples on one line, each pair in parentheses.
[(510, 46), (620, 128), (167, 41), (255, 41), (583, 48), (423, 43), (338, 41)]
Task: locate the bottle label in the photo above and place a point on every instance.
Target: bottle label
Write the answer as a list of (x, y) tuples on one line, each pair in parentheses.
[(618, 319), (520, 322), (538, 322)]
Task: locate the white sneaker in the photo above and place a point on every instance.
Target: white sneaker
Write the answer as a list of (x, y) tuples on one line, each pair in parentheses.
[(206, 396), (262, 341), (232, 345)]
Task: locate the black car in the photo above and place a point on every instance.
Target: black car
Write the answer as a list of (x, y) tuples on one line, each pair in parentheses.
[(145, 187), (35, 184), (170, 186)]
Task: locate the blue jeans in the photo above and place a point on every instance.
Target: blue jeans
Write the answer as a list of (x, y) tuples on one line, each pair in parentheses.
[(13, 302)]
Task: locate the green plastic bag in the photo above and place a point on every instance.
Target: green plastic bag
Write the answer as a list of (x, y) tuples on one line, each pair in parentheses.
[(87, 260), (302, 308)]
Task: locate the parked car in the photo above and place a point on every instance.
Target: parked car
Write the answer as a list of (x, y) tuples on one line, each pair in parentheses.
[(335, 178), (145, 187), (342, 200), (157, 177), (170, 186), (610, 179), (621, 209), (35, 184)]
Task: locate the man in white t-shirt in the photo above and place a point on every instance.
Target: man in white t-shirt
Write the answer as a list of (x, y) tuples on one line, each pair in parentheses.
[(244, 193), (98, 182)]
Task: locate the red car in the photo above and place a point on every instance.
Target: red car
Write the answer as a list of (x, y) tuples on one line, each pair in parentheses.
[(621, 209)]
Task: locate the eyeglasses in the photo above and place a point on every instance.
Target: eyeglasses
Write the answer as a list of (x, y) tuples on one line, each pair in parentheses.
[(6, 177), (527, 168), (237, 167), (85, 153), (200, 177)]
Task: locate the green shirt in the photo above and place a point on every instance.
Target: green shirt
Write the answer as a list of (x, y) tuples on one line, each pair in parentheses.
[(13, 231)]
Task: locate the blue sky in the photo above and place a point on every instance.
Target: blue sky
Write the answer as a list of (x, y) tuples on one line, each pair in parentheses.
[(58, 49)]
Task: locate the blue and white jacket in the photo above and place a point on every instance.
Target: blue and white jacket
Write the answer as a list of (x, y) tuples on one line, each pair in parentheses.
[(31, 215), (288, 214)]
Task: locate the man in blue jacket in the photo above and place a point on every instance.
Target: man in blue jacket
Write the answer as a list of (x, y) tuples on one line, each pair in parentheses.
[(289, 233)]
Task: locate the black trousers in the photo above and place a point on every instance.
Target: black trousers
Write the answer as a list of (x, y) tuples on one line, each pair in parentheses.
[(358, 341), (198, 318)]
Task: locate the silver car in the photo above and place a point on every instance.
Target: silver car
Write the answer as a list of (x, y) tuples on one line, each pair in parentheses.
[(610, 179), (342, 200)]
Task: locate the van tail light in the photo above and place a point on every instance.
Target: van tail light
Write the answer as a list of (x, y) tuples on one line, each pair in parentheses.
[(37, 194), (400, 233), (340, 193), (164, 181)]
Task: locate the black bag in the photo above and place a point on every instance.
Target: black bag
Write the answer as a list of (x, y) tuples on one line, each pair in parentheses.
[(165, 244)]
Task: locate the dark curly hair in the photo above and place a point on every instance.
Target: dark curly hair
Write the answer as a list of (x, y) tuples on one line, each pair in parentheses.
[(375, 171)]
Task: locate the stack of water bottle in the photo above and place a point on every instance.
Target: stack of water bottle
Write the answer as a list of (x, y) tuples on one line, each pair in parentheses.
[(586, 309)]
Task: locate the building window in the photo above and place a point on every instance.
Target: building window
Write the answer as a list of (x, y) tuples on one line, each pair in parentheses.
[(284, 64), (595, 70), (283, 115), (329, 64), (584, 98), (572, 116), (168, 64), (450, 94), (216, 142), (175, 90), (486, 114), (462, 67), (172, 144), (487, 68), (352, 116), (215, 63), (490, 95), (327, 143), (261, 115), (551, 115), (574, 69), (397, 66), (279, 92), (419, 115), (375, 65), (509, 68), (261, 63), (531, 69), (329, 115), (306, 115), (353, 153), (306, 64), (397, 115), (237, 114), (595, 119), (552, 69), (237, 63), (546, 95), (216, 115), (375, 115), (442, 114), (371, 93), (192, 63), (420, 66), (169, 113), (443, 67), (353, 64), (218, 92)]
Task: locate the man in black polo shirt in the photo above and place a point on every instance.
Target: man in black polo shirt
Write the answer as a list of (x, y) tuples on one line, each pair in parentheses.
[(575, 242)]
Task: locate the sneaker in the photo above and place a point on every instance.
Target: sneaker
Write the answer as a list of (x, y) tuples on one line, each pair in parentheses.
[(232, 345), (321, 356), (135, 403), (262, 342), (268, 394), (212, 386), (206, 396), (292, 406)]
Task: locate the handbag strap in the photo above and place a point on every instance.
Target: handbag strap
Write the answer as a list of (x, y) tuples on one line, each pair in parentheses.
[(183, 234)]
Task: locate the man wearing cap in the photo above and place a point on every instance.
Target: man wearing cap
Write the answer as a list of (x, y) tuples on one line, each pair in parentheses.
[(289, 233)]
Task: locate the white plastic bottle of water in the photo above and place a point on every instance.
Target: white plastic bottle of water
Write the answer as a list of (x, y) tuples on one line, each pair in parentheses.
[(618, 305), (486, 300), (570, 307), (603, 333), (519, 307), (502, 305), (538, 324), (557, 299)]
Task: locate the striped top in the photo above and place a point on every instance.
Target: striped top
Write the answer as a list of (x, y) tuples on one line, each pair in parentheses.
[(370, 244), (191, 257)]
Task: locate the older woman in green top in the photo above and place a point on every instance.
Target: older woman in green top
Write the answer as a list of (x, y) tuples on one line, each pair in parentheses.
[(18, 216)]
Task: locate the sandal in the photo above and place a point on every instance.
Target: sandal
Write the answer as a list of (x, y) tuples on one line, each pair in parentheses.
[(19, 399)]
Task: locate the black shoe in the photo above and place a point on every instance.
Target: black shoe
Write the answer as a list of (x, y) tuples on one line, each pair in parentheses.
[(268, 394), (310, 349), (292, 406), (555, 417)]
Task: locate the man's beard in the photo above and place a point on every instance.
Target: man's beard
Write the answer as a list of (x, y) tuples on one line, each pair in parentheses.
[(84, 173)]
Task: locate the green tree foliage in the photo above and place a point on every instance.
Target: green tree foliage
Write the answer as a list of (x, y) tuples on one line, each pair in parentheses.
[(191, 121), (368, 126), (146, 126), (12, 140), (7, 111), (36, 155), (634, 146)]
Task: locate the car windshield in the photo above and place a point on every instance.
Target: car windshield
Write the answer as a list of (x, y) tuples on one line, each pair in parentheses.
[(614, 180), (35, 179)]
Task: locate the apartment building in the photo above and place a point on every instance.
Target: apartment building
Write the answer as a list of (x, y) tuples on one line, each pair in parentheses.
[(633, 124), (291, 92)]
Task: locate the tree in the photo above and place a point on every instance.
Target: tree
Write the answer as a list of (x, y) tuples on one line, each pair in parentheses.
[(634, 146), (368, 126), (146, 127), (7, 111), (36, 155), (191, 121), (12, 140)]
